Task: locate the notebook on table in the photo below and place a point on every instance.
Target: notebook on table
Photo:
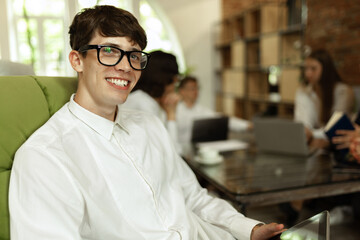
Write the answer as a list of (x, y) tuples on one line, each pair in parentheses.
[(315, 228), (275, 135), (210, 129)]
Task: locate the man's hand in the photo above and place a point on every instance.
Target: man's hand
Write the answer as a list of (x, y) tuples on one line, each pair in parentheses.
[(263, 232)]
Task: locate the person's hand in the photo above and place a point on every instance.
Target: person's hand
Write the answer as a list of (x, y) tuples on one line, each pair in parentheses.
[(318, 143), (169, 103), (266, 231), (308, 134), (355, 149), (250, 126), (315, 143), (343, 137)]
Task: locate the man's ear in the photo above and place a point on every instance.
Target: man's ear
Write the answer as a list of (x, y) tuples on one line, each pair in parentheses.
[(76, 61)]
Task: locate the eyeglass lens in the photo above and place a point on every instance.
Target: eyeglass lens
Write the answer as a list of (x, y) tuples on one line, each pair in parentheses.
[(110, 56)]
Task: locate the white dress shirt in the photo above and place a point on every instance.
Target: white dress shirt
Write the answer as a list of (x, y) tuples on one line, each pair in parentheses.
[(185, 117), (307, 106), (81, 176), (140, 100)]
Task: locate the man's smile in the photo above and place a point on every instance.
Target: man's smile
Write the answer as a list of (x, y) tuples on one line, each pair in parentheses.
[(118, 82)]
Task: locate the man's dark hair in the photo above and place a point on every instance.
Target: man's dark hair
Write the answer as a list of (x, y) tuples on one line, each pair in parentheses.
[(186, 80), (109, 21), (158, 74)]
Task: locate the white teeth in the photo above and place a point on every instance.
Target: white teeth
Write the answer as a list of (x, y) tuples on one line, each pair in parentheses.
[(118, 82)]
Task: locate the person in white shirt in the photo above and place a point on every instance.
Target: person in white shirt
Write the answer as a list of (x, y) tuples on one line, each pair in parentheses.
[(189, 109), (155, 92), (94, 171), (316, 100), (323, 93)]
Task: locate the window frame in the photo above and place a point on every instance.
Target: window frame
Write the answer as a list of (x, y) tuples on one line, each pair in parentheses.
[(9, 42)]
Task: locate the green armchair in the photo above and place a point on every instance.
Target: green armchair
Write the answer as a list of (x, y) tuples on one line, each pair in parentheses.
[(26, 103)]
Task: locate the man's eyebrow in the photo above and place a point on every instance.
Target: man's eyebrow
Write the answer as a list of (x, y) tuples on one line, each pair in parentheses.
[(118, 46)]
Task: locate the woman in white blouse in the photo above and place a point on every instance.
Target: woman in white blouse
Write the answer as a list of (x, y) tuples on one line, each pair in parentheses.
[(316, 100), (323, 93)]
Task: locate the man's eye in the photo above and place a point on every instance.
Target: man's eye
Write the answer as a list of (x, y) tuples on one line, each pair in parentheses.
[(107, 49), (135, 57)]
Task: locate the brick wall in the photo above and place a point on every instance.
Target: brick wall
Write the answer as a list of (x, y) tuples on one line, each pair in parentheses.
[(335, 26), (331, 24)]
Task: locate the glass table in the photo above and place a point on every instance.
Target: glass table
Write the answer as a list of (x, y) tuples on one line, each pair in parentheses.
[(248, 178)]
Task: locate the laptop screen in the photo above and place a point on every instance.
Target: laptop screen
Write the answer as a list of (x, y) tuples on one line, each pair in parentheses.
[(314, 228), (210, 129), (277, 135)]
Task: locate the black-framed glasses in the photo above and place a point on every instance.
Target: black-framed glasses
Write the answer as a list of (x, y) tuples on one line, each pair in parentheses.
[(110, 56)]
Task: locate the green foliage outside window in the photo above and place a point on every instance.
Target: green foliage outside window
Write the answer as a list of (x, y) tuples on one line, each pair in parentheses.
[(40, 34), (40, 31)]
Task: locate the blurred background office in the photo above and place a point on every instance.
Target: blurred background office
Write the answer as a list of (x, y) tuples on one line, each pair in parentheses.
[(248, 55), (189, 109), (203, 35), (35, 32)]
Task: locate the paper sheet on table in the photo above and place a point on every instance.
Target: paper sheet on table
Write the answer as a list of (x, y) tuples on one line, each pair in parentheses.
[(224, 145)]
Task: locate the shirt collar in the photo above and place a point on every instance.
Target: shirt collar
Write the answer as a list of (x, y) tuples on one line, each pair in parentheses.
[(99, 124)]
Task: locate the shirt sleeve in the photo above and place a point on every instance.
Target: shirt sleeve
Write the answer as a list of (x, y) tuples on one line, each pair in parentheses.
[(344, 99), (213, 210), (43, 201), (319, 133), (238, 124)]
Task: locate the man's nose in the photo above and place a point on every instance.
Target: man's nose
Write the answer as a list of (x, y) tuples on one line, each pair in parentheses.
[(124, 64)]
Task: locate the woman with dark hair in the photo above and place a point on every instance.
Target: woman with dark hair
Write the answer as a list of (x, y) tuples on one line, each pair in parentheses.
[(155, 91), (323, 93)]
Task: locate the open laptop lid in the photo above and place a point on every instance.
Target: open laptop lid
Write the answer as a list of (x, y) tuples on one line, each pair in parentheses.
[(275, 135), (316, 228), (210, 129)]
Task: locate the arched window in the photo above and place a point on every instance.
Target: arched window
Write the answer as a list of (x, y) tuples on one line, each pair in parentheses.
[(36, 35), (39, 35), (160, 32)]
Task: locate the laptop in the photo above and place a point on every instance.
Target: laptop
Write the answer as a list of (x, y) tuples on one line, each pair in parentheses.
[(210, 129), (315, 228), (276, 135)]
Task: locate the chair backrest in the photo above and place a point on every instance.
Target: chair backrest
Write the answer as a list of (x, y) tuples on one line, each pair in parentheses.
[(26, 103), (8, 68)]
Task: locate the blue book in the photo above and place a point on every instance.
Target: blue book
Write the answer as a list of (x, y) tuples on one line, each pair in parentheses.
[(338, 120)]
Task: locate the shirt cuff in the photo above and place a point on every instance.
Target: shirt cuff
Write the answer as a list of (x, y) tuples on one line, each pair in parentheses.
[(241, 227), (319, 134)]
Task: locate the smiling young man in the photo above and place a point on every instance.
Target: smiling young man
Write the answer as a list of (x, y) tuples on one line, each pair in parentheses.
[(94, 171)]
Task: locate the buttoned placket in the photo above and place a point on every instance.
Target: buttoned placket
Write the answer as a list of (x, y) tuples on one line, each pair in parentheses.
[(116, 134)]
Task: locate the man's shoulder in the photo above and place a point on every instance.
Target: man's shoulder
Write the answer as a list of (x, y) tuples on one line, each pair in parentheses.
[(52, 130)]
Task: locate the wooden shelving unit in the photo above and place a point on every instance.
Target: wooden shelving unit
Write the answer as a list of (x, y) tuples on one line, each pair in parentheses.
[(260, 59)]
